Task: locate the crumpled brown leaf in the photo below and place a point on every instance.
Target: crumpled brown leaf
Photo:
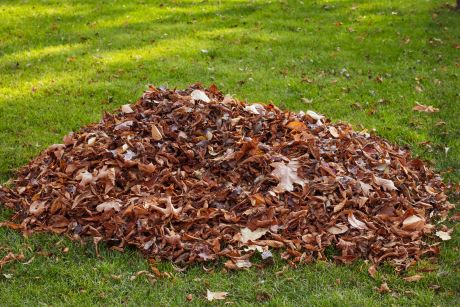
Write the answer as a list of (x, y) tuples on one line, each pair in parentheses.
[(423, 108)]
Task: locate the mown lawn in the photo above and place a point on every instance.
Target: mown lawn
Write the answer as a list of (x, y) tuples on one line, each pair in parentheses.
[(62, 63)]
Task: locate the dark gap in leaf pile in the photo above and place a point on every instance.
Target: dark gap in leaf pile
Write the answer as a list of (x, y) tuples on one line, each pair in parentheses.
[(191, 176)]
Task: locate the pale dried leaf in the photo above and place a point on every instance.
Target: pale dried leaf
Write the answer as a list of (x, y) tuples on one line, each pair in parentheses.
[(413, 222), (443, 235), (355, 223), (37, 207), (156, 134), (255, 108), (126, 108), (109, 205), (200, 95), (386, 184), (333, 131), (423, 108), (286, 175), (249, 235), (210, 296), (337, 229), (372, 271)]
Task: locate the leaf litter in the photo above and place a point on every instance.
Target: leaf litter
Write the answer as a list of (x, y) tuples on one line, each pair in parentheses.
[(193, 175)]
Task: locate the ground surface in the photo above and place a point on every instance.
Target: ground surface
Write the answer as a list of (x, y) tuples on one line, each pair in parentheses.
[(366, 62)]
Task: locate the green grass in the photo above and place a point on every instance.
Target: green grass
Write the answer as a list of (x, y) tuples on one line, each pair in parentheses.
[(62, 63)]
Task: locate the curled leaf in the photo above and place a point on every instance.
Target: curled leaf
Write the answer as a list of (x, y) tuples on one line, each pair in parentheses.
[(156, 134), (355, 223), (200, 95), (413, 222), (386, 184)]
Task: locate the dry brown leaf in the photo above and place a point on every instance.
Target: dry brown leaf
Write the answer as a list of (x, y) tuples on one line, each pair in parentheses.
[(296, 126), (156, 134), (413, 278), (384, 288), (424, 108), (413, 222), (372, 271)]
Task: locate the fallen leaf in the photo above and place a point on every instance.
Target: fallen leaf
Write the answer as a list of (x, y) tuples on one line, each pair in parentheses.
[(109, 205), (156, 134), (413, 278), (372, 271), (37, 208), (255, 108), (286, 175), (333, 131), (424, 108), (384, 288), (249, 235), (337, 229), (210, 296), (354, 222), (386, 184), (413, 222), (296, 126), (443, 235), (315, 116), (126, 108), (200, 95)]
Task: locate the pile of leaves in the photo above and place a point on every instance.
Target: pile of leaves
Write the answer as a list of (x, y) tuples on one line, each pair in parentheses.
[(192, 176)]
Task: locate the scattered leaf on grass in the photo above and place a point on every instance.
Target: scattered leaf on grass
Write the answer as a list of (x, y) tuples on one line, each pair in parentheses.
[(413, 278), (424, 108), (372, 271), (211, 296), (384, 288), (443, 235)]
